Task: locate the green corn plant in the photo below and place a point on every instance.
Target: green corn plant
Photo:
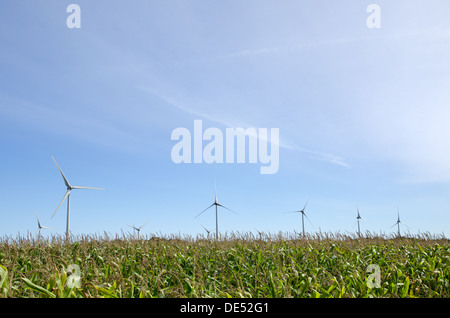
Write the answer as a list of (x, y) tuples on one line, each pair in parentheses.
[(404, 292), (109, 292), (59, 286), (4, 281), (45, 293)]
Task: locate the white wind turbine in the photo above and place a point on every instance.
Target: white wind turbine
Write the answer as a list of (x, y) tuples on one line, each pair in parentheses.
[(217, 204), (138, 229), (302, 211), (67, 195), (358, 217), (398, 223), (40, 227)]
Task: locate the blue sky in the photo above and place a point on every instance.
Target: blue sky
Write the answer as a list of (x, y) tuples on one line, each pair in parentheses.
[(362, 113)]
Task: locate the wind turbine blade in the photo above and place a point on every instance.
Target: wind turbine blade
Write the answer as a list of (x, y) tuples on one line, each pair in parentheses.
[(355, 224), (308, 219), (405, 225), (305, 206), (226, 208), (204, 210), (293, 212), (143, 225), (48, 228), (133, 227), (77, 187), (393, 225), (39, 224), (62, 174), (65, 196), (215, 190), (205, 229)]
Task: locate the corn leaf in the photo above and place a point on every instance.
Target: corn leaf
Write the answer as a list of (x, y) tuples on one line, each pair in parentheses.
[(38, 288)]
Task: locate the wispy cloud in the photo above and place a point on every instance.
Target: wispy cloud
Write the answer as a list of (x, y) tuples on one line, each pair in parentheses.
[(322, 156), (64, 121), (244, 53), (424, 33), (317, 155)]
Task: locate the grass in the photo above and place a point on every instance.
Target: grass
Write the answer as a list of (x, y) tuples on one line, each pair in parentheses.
[(238, 265)]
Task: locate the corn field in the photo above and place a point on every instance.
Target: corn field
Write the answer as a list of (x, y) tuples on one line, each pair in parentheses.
[(237, 265)]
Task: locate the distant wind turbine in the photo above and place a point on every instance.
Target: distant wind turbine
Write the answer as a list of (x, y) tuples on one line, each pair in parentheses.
[(302, 211), (67, 195), (217, 204), (207, 231), (138, 229), (358, 217), (260, 233), (398, 223), (40, 227)]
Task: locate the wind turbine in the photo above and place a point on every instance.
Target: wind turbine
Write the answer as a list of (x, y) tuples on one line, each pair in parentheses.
[(217, 204), (398, 223), (207, 231), (302, 211), (67, 195), (138, 229), (358, 217), (260, 233), (40, 227)]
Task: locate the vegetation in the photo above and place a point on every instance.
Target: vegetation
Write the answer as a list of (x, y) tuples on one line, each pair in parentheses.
[(282, 265)]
